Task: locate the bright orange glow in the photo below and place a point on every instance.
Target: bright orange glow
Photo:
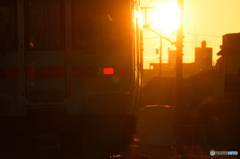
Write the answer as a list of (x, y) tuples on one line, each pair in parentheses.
[(166, 17), (140, 20), (31, 44), (108, 71)]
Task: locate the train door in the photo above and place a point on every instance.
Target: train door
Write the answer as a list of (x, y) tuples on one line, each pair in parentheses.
[(8, 57), (45, 54)]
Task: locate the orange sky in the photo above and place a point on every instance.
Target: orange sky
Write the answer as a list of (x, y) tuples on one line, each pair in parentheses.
[(203, 20)]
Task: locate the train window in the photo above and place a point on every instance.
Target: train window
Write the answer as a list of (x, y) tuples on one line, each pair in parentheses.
[(100, 23), (44, 19), (8, 25)]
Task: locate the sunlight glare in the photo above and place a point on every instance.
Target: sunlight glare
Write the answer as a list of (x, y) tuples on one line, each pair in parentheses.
[(140, 20), (166, 17)]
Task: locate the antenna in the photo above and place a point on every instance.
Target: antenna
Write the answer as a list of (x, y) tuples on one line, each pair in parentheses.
[(195, 36)]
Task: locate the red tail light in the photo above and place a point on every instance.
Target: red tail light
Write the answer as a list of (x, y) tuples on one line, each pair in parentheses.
[(108, 71)]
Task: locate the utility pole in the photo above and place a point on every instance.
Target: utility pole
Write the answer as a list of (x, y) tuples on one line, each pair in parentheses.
[(238, 114), (179, 54), (160, 52), (178, 105), (160, 57)]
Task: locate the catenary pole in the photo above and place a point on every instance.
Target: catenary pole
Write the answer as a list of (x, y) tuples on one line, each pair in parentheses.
[(238, 116), (160, 56), (178, 105)]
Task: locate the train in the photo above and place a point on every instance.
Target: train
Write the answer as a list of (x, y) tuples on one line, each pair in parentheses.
[(70, 73)]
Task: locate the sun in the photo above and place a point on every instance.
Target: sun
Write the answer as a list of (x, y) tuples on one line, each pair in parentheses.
[(166, 17)]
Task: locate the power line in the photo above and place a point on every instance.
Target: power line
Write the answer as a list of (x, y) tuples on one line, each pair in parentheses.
[(152, 37), (204, 35), (150, 45), (207, 44), (150, 49), (186, 54), (148, 3), (194, 34)]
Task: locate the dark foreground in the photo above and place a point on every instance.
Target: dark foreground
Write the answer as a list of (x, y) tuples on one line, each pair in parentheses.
[(134, 151)]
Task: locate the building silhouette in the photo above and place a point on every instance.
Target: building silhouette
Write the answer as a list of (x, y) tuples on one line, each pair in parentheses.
[(229, 61), (203, 57), (203, 61)]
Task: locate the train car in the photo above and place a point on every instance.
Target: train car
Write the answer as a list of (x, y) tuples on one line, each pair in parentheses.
[(70, 73)]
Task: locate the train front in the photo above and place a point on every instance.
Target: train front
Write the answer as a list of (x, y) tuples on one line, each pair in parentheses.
[(73, 74)]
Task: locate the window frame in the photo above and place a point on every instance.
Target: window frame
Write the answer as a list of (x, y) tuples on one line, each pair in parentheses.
[(62, 45), (13, 22), (89, 46)]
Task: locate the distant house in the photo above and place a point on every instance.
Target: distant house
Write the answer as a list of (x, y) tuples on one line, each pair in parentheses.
[(200, 95), (203, 57), (203, 85), (148, 75), (229, 62), (203, 61), (167, 69), (159, 91)]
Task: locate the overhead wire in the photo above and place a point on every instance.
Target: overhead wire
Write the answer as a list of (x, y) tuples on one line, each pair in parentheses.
[(151, 45), (152, 37), (194, 43), (204, 35), (150, 49)]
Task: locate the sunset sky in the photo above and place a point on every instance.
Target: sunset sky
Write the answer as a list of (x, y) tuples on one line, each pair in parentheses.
[(203, 20)]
